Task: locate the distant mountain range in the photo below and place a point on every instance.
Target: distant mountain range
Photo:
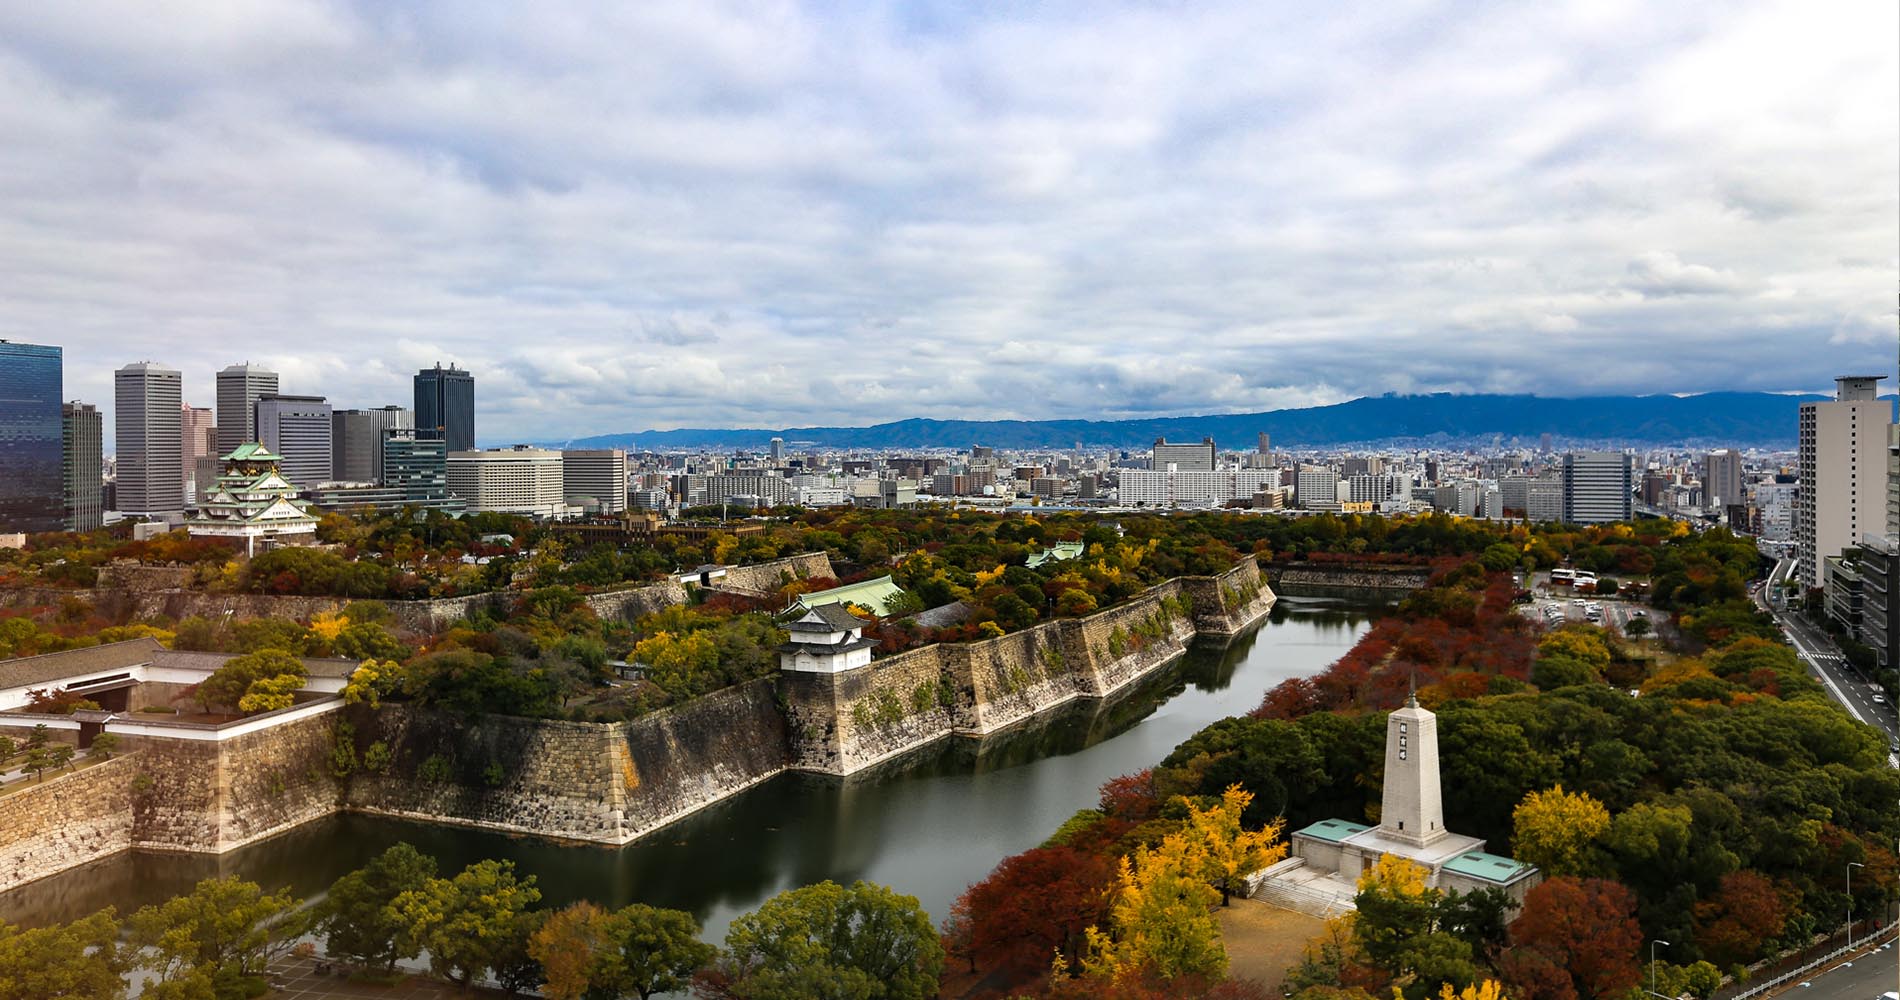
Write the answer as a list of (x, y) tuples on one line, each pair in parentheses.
[(1741, 419)]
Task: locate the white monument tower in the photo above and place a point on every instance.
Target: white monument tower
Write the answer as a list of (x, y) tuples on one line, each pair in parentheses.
[(1412, 809)]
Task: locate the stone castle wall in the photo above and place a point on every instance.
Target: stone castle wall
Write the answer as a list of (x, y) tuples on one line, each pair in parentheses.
[(1328, 580), (155, 591), (603, 782), (841, 723), (66, 820)]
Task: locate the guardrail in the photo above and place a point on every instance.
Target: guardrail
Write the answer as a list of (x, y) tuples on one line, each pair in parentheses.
[(1872, 940)]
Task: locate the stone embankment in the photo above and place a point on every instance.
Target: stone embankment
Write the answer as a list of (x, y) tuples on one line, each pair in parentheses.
[(1353, 581), (158, 591), (599, 782)]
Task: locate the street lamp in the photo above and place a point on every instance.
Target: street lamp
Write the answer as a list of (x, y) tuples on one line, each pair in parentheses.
[(1851, 865), (1652, 966)]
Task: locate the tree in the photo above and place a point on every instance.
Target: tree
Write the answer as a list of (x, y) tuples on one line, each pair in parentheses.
[(225, 930), (466, 923), (1584, 928), (372, 681), (570, 945), (78, 961), (356, 918), (1397, 927), (102, 746), (827, 942), (1159, 920), (1228, 853), (37, 760), (228, 685), (1746, 913), (653, 950), (1033, 905), (270, 694), (1557, 830), (1637, 627), (61, 755)]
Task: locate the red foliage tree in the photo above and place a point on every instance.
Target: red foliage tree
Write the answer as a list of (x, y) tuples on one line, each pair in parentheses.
[(1033, 904), (1587, 928), (1744, 912)]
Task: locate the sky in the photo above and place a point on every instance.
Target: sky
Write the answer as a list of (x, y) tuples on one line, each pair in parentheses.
[(632, 216)]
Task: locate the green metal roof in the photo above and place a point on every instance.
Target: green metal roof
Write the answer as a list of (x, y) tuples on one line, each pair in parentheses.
[(252, 451), (1332, 830), (1489, 867), (1056, 553), (870, 594)]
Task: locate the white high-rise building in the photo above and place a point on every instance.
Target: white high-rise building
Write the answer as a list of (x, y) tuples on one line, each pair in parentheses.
[(1184, 457), (595, 479), (1150, 488), (518, 480), (1722, 478), (1316, 485), (1599, 486), (148, 398), (1843, 473)]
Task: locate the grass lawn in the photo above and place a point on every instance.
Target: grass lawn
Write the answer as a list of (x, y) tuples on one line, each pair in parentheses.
[(1264, 941)]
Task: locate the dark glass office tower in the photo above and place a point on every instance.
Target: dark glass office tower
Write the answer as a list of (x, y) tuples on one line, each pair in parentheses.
[(445, 406), (32, 486)]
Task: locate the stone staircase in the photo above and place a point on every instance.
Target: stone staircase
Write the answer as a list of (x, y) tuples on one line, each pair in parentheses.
[(1291, 885)]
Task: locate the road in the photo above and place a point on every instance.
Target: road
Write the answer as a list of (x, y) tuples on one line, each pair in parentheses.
[(1866, 976), (1843, 683)]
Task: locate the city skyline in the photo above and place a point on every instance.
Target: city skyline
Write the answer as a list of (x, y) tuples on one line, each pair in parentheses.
[(788, 216)]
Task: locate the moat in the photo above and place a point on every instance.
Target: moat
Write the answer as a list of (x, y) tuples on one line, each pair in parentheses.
[(928, 824)]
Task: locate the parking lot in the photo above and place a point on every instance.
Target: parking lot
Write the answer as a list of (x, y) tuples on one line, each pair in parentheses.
[(1554, 611)]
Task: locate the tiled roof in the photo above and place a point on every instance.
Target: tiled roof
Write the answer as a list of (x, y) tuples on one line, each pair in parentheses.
[(838, 617), (185, 659), (822, 649), (49, 667)]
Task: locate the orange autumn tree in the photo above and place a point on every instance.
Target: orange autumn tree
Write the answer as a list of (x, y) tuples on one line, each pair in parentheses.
[(1227, 853)]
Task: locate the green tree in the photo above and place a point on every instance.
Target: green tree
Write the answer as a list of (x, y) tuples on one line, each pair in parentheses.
[(102, 746), (225, 930), (827, 942), (227, 686), (656, 951), (356, 919), (78, 961), (467, 923)]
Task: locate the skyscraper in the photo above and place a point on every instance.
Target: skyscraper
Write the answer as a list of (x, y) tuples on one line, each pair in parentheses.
[(1599, 486), (356, 441), (239, 389), (198, 448), (1722, 478), (1184, 457), (82, 434), (778, 452), (595, 479), (445, 405), (31, 491), (298, 429), (416, 465), (150, 482), (1843, 466)]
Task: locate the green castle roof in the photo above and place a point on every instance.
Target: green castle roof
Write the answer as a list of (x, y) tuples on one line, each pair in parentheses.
[(251, 451)]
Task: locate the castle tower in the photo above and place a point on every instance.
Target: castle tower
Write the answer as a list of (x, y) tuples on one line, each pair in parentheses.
[(1412, 811)]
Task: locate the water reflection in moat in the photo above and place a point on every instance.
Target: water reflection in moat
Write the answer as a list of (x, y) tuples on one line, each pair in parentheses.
[(928, 824)]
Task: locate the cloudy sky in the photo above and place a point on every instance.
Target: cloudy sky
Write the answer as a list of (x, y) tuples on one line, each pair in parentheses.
[(631, 216)]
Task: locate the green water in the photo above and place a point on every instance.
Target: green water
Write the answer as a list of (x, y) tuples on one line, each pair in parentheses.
[(928, 824)]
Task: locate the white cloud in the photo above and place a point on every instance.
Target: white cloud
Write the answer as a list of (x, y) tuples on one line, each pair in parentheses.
[(777, 214)]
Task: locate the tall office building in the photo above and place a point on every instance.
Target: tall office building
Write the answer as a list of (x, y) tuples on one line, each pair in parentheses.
[(297, 429), (1599, 486), (445, 405), (1184, 457), (778, 452), (151, 480), (81, 466), (1722, 479), (1843, 469), (595, 479), (356, 441), (239, 389), (417, 465), (1263, 445), (198, 449), (32, 495)]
